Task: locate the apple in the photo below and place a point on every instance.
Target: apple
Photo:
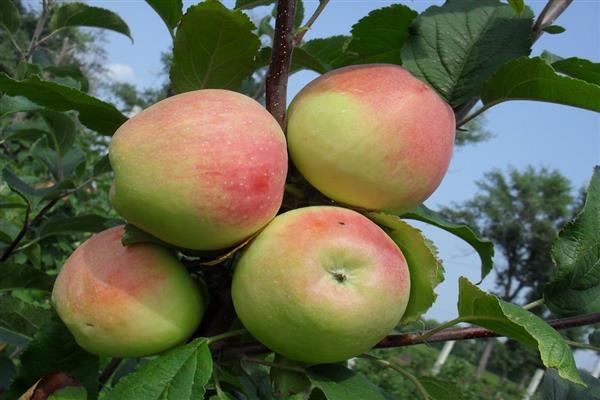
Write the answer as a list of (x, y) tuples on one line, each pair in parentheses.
[(371, 136), (202, 170), (129, 301), (321, 284)]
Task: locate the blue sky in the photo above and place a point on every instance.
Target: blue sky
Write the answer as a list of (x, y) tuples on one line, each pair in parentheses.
[(526, 133)]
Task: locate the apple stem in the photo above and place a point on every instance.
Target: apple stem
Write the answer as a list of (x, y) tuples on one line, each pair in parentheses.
[(226, 335), (281, 58)]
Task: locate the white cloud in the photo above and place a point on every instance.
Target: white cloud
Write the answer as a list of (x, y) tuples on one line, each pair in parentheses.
[(121, 73)]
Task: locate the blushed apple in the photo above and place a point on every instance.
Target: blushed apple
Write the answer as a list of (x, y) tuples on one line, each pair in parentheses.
[(321, 284), (371, 136), (202, 170), (126, 301)]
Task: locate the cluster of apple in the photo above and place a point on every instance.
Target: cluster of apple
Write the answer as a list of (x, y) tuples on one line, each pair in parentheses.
[(205, 170)]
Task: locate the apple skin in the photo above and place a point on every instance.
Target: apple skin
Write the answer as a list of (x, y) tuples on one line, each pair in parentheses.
[(371, 136), (202, 170), (286, 292), (129, 301)]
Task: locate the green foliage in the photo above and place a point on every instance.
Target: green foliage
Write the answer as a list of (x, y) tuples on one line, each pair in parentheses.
[(426, 270), (554, 29), (214, 48), (509, 320), (79, 14), (484, 247), (69, 393), (533, 79), (554, 388), (22, 276), (180, 373), (245, 4), (575, 289), (340, 383), (169, 11), (9, 16), (20, 321), (457, 64), (579, 68)]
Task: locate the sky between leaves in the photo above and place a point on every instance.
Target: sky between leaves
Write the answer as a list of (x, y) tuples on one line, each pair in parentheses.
[(526, 133)]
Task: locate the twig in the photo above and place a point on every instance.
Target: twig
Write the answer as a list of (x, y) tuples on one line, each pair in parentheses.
[(109, 371), (39, 28), (534, 304), (226, 335), (281, 57), (19, 236), (414, 338), (553, 9), (302, 31), (583, 346)]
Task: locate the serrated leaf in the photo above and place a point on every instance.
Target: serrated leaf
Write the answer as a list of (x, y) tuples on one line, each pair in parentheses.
[(93, 113), (169, 11), (214, 47), (340, 383), (79, 14), (329, 51), (578, 68), (486, 310), (9, 16), (379, 37), (19, 321), (533, 79), (11, 105), (555, 388), (553, 29), (456, 47), (483, 247), (426, 271), (439, 389), (54, 349), (78, 224), (22, 276), (301, 59), (575, 289), (517, 5), (247, 4), (180, 373)]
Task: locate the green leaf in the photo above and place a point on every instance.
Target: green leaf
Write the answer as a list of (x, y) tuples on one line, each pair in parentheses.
[(517, 5), (486, 310), (456, 47), (9, 16), (180, 373), (102, 166), (555, 388), (533, 79), (79, 14), (329, 51), (7, 370), (575, 289), (554, 29), (19, 321), (60, 165), (31, 195), (483, 247), (133, 235), (439, 389), (214, 48), (69, 71), (301, 59), (54, 349), (594, 338), (426, 270), (579, 68), (379, 37), (247, 4), (299, 16), (69, 393), (11, 105), (62, 131), (285, 382), (340, 383), (170, 11), (93, 113), (69, 225), (22, 276)]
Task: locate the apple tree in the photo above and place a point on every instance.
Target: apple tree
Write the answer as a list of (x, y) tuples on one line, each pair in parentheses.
[(170, 294)]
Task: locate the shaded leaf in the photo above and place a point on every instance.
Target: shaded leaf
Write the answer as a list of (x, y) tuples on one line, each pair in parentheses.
[(214, 48), (553, 29), (79, 14), (22, 276), (426, 271), (575, 288), (11, 105), (246, 4), (54, 349), (340, 383), (555, 388), (9, 16), (578, 68), (169, 11), (439, 389), (486, 310), (78, 224), (69, 71), (285, 382), (517, 5), (19, 321), (483, 247), (93, 113), (69, 393), (533, 79), (379, 37), (456, 47), (7, 370), (102, 166), (180, 373)]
